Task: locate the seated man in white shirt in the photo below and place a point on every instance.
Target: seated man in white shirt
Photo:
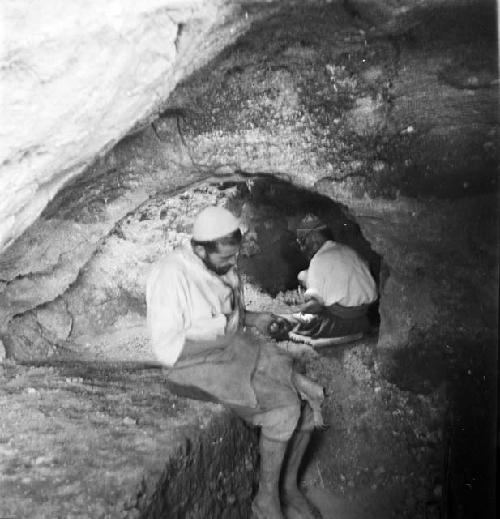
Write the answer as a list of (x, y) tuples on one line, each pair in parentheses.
[(197, 321), (339, 288)]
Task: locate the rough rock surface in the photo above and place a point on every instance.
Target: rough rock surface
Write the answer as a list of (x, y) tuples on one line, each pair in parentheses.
[(401, 130), (77, 77), (106, 440), (70, 90)]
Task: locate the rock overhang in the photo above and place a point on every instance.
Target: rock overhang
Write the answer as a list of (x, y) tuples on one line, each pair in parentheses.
[(77, 77), (72, 89)]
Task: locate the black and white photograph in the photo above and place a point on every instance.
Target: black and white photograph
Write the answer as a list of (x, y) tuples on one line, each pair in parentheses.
[(249, 259)]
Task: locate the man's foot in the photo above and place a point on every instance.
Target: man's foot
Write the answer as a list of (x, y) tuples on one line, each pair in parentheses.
[(266, 507), (296, 506), (326, 341)]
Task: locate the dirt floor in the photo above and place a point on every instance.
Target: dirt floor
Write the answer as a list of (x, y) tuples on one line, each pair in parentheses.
[(88, 435)]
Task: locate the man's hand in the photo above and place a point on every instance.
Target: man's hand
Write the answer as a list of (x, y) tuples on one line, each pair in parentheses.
[(269, 324), (313, 306), (260, 320)]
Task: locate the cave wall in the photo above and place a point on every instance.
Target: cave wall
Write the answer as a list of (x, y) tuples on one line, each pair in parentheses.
[(308, 96), (77, 77)]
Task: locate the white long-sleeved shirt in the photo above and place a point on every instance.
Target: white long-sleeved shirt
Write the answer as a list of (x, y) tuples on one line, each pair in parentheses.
[(185, 301), (337, 274)]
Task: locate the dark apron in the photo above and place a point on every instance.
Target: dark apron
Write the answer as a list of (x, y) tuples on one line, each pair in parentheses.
[(222, 375), (336, 321), (246, 374)]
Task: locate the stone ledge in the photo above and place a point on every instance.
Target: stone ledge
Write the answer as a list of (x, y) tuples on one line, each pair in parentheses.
[(89, 440)]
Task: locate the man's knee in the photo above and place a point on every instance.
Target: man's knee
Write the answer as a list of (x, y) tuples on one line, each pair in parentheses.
[(281, 423), (284, 422)]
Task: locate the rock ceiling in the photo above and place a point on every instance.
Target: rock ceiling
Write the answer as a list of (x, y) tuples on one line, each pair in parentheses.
[(78, 76)]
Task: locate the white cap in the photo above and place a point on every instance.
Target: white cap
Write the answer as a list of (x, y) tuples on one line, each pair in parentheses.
[(214, 222)]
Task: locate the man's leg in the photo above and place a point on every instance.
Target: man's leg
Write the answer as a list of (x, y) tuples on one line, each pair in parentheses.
[(295, 503), (266, 504), (277, 389)]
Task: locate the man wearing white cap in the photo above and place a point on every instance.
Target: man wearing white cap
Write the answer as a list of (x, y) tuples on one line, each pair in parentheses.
[(197, 321)]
